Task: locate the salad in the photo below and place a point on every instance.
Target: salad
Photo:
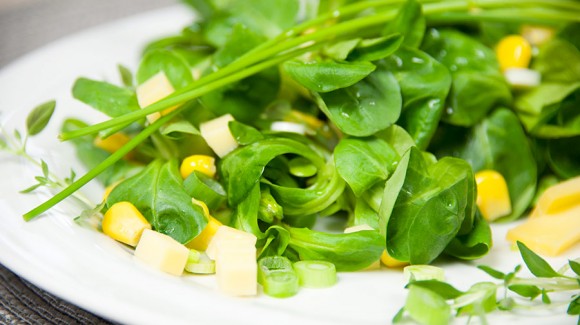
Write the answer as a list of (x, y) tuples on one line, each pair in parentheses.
[(413, 123)]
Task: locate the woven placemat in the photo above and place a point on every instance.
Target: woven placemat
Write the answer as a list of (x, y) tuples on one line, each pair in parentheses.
[(26, 25)]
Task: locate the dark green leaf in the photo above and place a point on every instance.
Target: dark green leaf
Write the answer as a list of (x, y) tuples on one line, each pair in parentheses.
[(157, 192), (443, 289), (492, 272), (574, 307), (362, 162), (326, 76), (39, 117), (537, 265), (126, 75), (173, 65), (558, 61), (478, 84), (575, 266), (528, 291), (244, 134), (424, 85), (371, 105), (204, 188), (475, 244), (240, 41), (563, 161), (105, 97), (545, 298)]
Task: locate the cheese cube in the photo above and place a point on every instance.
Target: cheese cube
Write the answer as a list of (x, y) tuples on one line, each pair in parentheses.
[(237, 270), (549, 234), (227, 237), (153, 90), (558, 198), (217, 135), (162, 252)]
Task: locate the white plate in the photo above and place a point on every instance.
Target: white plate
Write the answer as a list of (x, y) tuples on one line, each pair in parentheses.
[(92, 271)]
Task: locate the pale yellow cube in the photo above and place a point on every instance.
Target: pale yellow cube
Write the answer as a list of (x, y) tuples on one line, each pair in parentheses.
[(217, 135), (162, 252), (226, 237), (237, 271), (558, 198), (153, 90)]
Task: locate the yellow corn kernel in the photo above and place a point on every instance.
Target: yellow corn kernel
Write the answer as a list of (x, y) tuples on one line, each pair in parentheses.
[(124, 223), (389, 261), (201, 163), (493, 199), (513, 51), (202, 240), (112, 143)]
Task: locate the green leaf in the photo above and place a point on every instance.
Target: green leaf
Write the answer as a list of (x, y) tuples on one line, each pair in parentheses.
[(244, 134), (399, 316), (371, 105), (362, 162), (528, 291), (348, 252), (492, 272), (425, 84), (31, 188), (158, 193), (241, 40), (112, 100), (474, 244), (179, 127), (574, 307), (558, 61), (172, 64), (375, 49), (126, 75), (545, 298), (326, 76), (410, 22), (575, 266), (506, 304), (44, 167), (39, 117), (478, 85), (537, 265), (443, 289)]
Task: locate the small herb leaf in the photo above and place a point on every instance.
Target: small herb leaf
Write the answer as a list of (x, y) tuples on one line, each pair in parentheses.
[(574, 307), (443, 289), (537, 265), (31, 188), (126, 75), (44, 167), (39, 117), (527, 291), (545, 298), (575, 266), (492, 272)]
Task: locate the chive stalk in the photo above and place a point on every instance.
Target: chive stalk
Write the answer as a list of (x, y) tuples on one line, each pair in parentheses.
[(315, 274)]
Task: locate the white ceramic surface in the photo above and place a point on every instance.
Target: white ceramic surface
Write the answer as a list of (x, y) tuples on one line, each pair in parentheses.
[(92, 271)]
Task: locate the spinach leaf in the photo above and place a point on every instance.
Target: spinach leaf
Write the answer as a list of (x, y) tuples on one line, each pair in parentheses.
[(173, 65), (158, 193), (243, 168), (424, 84), (478, 85), (499, 143), (326, 76), (376, 48), (240, 41), (410, 22), (245, 213), (430, 205), (105, 97), (369, 106), (473, 245), (348, 252), (559, 62), (362, 162), (564, 157)]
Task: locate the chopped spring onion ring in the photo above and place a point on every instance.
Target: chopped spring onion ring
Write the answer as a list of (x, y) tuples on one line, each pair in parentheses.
[(423, 272), (199, 263), (288, 127), (277, 277), (522, 78), (315, 274)]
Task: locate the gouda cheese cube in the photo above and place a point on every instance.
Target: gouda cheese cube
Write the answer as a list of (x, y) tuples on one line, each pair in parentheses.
[(153, 90), (217, 135), (162, 252), (549, 234), (237, 271), (558, 197), (226, 237)]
